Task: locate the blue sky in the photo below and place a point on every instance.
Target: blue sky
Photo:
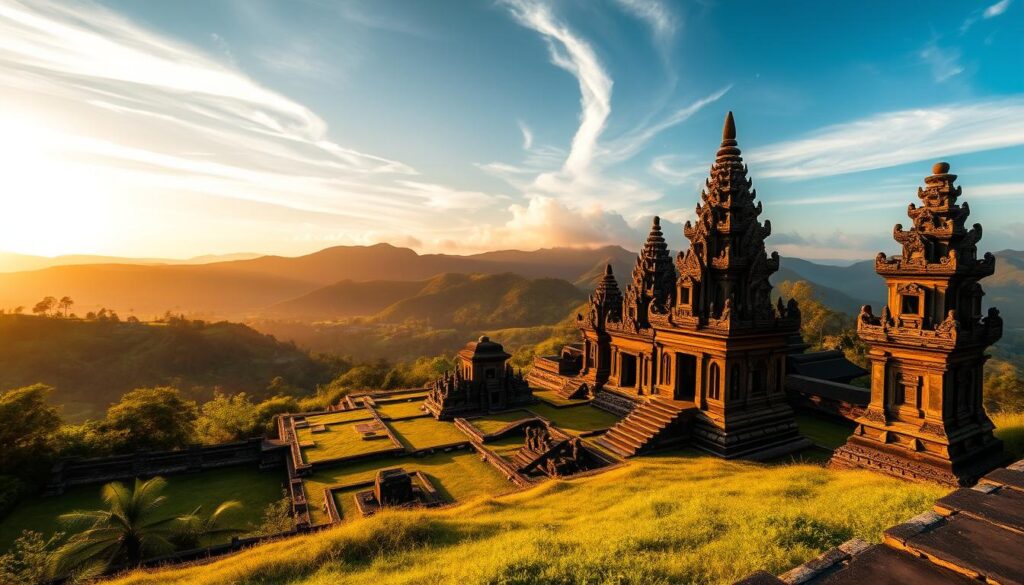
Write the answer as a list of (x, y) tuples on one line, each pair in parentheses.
[(185, 128)]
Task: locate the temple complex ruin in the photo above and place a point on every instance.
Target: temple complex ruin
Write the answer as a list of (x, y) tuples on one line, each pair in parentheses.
[(694, 349), (482, 382), (926, 419)]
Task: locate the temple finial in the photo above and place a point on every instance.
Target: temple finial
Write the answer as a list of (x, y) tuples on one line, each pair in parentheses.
[(940, 168), (608, 269), (657, 223), (729, 129)]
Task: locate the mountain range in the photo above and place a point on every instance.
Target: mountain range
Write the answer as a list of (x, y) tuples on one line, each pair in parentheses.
[(348, 281)]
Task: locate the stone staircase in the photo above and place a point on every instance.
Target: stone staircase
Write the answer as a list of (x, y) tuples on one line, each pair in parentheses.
[(645, 425)]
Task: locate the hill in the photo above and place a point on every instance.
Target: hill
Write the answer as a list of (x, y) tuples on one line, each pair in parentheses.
[(11, 262), (92, 363), (638, 523), (243, 288)]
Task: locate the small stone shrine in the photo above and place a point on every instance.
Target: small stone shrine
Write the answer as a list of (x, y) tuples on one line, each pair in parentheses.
[(397, 488), (482, 382), (547, 455), (926, 419)]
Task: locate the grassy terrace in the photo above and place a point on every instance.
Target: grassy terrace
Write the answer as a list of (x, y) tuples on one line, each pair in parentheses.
[(458, 475), (339, 417), (552, 397), (254, 488), (827, 432), (490, 423), (426, 432), (676, 517), (400, 409), (339, 440), (577, 419)]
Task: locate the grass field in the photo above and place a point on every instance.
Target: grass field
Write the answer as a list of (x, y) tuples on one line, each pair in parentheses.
[(634, 524), (577, 419), (552, 397), (339, 440), (1010, 428), (400, 409), (254, 488), (426, 432), (339, 417), (458, 475), (827, 432), (491, 423)]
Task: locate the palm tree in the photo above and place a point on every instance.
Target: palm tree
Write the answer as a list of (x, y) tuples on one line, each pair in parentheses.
[(130, 530), (198, 531)]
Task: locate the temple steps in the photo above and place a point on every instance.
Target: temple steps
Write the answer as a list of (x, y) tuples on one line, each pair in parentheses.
[(645, 425)]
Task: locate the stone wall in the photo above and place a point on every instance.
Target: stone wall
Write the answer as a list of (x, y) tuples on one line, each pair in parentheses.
[(75, 471)]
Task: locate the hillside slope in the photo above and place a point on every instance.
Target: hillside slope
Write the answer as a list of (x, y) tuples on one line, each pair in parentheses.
[(93, 363), (635, 524)]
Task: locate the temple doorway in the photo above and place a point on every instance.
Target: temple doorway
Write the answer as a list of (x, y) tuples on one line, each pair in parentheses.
[(686, 377), (627, 370)]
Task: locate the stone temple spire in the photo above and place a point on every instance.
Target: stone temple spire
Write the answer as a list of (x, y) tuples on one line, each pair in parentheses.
[(726, 262), (653, 279), (606, 301)]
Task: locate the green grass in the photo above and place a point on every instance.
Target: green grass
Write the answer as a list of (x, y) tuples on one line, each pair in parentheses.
[(339, 440), (254, 488), (424, 433), (506, 446), (1010, 428), (400, 409), (552, 397), (458, 475), (827, 432), (674, 518), (339, 417), (490, 423), (577, 419)]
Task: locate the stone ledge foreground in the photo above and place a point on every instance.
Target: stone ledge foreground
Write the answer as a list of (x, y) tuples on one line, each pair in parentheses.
[(974, 535)]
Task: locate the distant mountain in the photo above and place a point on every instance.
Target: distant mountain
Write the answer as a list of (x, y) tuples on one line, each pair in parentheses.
[(11, 262), (345, 299), (486, 301)]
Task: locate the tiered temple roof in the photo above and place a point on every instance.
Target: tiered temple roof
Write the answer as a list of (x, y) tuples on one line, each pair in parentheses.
[(606, 301), (653, 282), (726, 268)]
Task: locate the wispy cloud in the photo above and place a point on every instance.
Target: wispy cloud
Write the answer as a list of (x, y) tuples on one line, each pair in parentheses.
[(943, 61), (662, 20), (157, 118), (894, 138), (996, 9), (990, 12), (527, 135)]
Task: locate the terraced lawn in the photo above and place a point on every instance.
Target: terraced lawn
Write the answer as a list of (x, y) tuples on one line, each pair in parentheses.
[(426, 432), (824, 431), (552, 397), (339, 417), (401, 409), (339, 440), (459, 475), (576, 419), (490, 423), (254, 488)]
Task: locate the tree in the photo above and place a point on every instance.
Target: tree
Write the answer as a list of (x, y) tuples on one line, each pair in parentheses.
[(27, 430), (197, 530), (151, 418), (28, 561), (65, 303), (133, 527), (1004, 387), (18, 310), (44, 306), (277, 516), (270, 408), (816, 320), (227, 418)]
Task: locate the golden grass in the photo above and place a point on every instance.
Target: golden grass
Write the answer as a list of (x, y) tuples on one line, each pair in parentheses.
[(401, 409), (339, 440), (1010, 428), (458, 475), (671, 518), (426, 432), (339, 417)]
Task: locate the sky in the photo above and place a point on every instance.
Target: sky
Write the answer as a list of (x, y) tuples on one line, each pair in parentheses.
[(177, 129)]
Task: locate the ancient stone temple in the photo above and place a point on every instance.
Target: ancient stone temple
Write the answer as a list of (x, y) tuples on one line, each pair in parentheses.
[(700, 353), (926, 419), (482, 382)]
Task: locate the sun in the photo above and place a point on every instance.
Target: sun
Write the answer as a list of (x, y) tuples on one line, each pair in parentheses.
[(50, 204)]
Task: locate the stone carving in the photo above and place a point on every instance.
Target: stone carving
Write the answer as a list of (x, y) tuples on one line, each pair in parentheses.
[(935, 322)]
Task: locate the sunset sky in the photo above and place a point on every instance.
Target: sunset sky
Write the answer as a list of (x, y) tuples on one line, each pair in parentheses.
[(175, 129)]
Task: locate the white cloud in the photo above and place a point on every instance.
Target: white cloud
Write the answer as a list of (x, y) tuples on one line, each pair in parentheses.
[(893, 138), (658, 16), (150, 119), (667, 167), (944, 62), (527, 135), (996, 9)]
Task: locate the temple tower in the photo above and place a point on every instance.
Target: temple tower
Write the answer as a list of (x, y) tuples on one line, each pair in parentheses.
[(723, 344), (653, 281), (926, 419), (605, 307)]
